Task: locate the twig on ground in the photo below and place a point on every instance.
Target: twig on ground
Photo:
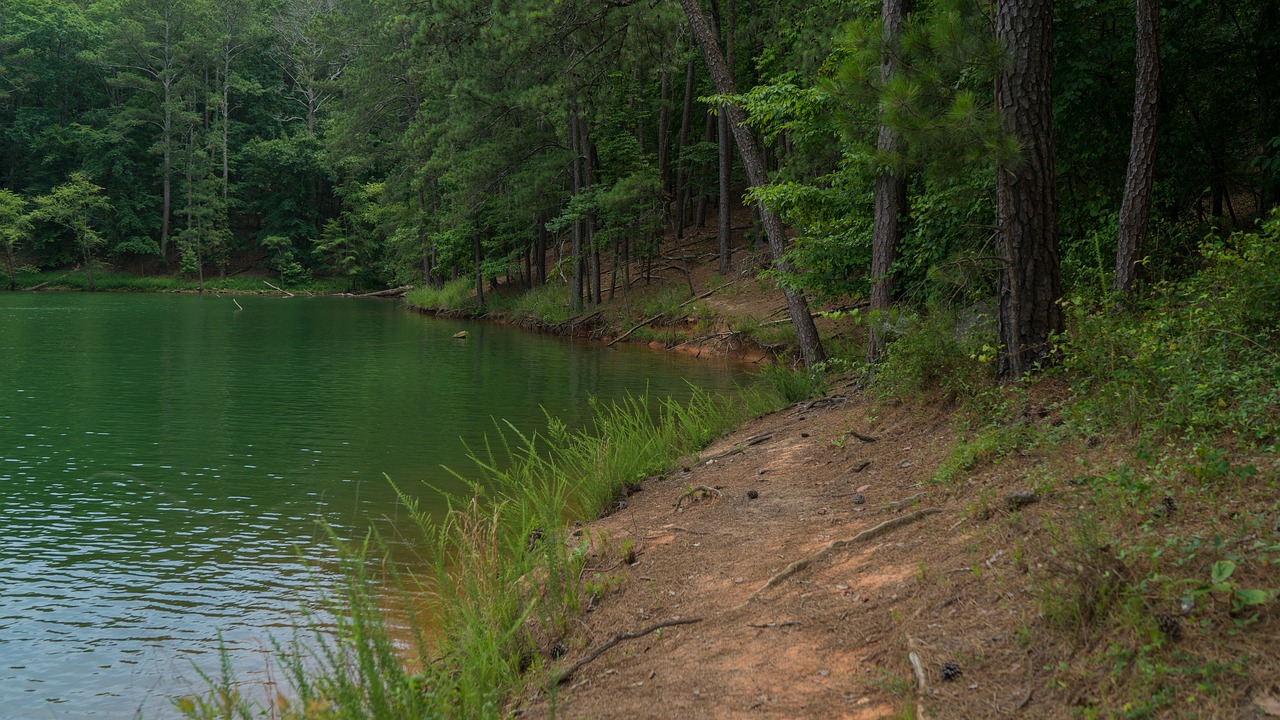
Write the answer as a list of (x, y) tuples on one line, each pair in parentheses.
[(690, 492), (917, 667), (863, 438), (709, 293), (619, 638), (754, 440), (835, 545), (829, 400)]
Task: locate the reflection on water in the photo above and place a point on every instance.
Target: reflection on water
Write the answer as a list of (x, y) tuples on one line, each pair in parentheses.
[(166, 462)]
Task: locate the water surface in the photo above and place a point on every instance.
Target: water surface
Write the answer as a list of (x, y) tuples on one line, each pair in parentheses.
[(166, 461)]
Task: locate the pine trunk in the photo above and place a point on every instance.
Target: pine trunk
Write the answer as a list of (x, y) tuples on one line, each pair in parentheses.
[(891, 193), (1135, 210), (1026, 214)]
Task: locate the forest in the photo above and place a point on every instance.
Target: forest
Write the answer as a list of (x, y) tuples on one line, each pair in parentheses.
[(950, 150)]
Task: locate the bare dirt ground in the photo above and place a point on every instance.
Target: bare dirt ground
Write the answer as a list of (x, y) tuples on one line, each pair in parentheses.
[(830, 640)]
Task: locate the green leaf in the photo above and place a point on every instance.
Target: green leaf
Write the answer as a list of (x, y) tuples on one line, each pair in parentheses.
[(1251, 597), (1222, 570)]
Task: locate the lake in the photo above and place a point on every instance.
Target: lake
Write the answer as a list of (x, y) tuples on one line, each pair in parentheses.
[(167, 463)]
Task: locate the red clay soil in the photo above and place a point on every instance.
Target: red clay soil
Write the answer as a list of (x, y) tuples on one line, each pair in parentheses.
[(828, 641)]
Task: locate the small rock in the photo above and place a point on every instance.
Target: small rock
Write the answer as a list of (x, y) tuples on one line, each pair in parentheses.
[(824, 673), (858, 499), (752, 494), (904, 464), (804, 435), (822, 511), (1016, 500)]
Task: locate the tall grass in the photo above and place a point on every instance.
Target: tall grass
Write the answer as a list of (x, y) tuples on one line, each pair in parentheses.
[(502, 571), (455, 295)]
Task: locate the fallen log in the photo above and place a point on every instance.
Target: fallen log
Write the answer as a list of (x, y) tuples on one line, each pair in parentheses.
[(389, 292)]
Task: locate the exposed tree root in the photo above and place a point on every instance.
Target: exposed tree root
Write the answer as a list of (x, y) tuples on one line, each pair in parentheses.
[(835, 545), (619, 638)]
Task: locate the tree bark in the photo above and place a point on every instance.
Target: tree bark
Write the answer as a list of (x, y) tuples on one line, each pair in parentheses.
[(891, 192), (589, 180), (753, 161), (1135, 210), (724, 227), (664, 130), (682, 180), (576, 251), (1026, 212), (700, 214)]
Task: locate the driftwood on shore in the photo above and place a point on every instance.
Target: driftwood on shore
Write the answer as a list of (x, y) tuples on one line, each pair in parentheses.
[(389, 292)]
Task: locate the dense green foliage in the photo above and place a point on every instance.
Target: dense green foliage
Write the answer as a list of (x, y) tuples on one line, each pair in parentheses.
[(386, 143)]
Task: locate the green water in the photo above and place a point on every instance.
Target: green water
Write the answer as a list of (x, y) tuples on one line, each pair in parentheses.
[(165, 462)]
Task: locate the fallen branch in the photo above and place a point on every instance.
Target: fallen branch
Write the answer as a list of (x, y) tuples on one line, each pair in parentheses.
[(835, 545), (624, 335), (785, 623), (277, 288), (619, 638), (709, 293), (237, 302), (863, 438)]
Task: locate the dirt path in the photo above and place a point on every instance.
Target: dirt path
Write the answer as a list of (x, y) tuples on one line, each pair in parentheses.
[(828, 641)]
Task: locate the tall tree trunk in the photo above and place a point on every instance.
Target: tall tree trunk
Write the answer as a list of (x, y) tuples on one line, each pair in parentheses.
[(891, 192), (753, 161), (664, 122), (724, 228), (1026, 209), (478, 257), (682, 180), (1135, 210), (708, 135), (590, 160), (576, 252)]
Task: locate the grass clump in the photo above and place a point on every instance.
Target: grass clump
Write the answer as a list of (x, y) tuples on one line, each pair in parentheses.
[(548, 304), (454, 295), (794, 384), (503, 572)]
